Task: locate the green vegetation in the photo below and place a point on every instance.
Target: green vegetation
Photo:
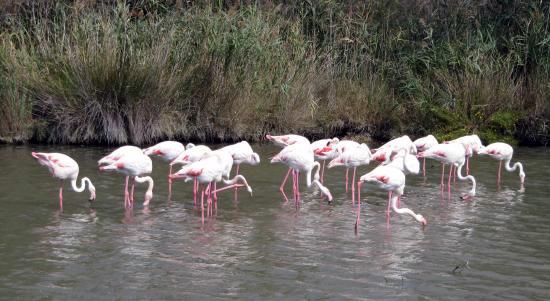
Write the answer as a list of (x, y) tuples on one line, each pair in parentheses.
[(92, 71)]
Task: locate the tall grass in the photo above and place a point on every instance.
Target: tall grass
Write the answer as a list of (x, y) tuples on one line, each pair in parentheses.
[(142, 71)]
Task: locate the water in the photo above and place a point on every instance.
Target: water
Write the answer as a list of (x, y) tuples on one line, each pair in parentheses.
[(262, 248)]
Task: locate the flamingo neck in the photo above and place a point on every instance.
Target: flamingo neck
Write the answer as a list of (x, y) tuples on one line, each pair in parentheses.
[(146, 179), (236, 179), (82, 184), (469, 177), (408, 211), (316, 176), (514, 167)]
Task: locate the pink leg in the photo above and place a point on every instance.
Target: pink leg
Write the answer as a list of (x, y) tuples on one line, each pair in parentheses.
[(169, 183), (132, 191), (61, 195), (424, 167), (442, 174), (399, 202), (467, 165), (298, 185), (353, 186), (388, 210), (358, 205), (202, 205), (323, 172), (347, 171), (236, 188), (126, 194), (282, 187), (499, 172), (195, 190), (216, 197), (449, 181)]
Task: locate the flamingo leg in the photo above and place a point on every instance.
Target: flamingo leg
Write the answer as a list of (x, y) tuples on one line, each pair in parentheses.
[(132, 191), (353, 186), (282, 187), (449, 181), (202, 205), (442, 174), (388, 210), (424, 167), (298, 185), (499, 172), (358, 205), (170, 183), (195, 190), (467, 165), (126, 194), (236, 189), (216, 197), (398, 201), (347, 171), (61, 195)]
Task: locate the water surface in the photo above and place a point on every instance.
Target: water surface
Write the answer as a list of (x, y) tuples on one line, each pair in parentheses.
[(264, 249)]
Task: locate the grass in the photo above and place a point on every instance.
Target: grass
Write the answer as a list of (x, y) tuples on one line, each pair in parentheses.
[(137, 72)]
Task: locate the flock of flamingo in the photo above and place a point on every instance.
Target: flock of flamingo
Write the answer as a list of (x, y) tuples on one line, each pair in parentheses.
[(206, 167)]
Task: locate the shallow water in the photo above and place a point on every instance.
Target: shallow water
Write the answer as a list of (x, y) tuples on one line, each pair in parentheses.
[(262, 248)]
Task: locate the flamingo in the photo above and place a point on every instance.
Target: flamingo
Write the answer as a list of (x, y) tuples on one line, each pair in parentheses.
[(211, 168), (334, 150), (242, 153), (63, 167), (299, 157), (134, 165), (323, 154), (471, 141), (192, 154), (393, 180), (405, 162), (168, 151), (117, 154), (452, 154), (394, 145), (352, 156), (503, 152), (286, 140), (423, 144), (283, 141)]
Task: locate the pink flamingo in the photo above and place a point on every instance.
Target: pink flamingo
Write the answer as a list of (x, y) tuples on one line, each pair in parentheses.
[(423, 144), (335, 150), (403, 142), (192, 154), (242, 153), (168, 151), (323, 151), (299, 157), (212, 168), (117, 154), (63, 167), (135, 166), (284, 141), (352, 156), (452, 154), (392, 180), (471, 141), (503, 152)]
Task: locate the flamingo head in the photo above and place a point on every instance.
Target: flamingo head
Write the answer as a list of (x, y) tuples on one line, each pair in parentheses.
[(148, 197), (522, 177), (91, 188), (336, 162), (255, 159), (41, 157), (422, 220), (421, 155)]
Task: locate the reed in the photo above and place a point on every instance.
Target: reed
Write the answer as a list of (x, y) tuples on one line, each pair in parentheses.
[(104, 72)]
